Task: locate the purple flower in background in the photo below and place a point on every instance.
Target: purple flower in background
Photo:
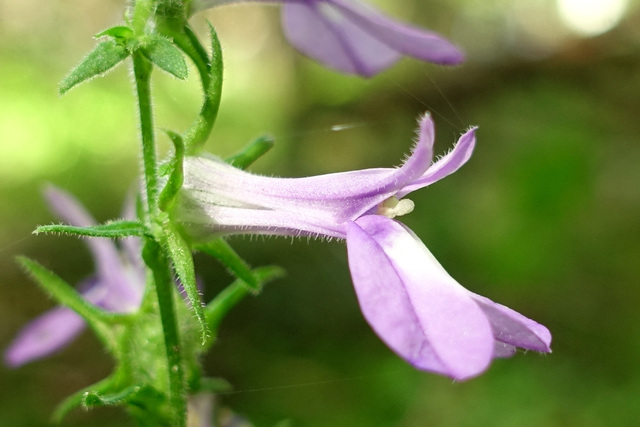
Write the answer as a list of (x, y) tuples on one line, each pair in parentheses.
[(117, 286), (410, 301), (353, 37)]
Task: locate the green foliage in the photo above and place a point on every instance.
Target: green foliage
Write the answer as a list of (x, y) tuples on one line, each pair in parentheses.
[(98, 319), (252, 152), (104, 57), (112, 229), (182, 260), (119, 32), (166, 55), (223, 252), (175, 172)]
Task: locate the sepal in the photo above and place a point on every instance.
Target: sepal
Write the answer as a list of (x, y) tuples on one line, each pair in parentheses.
[(175, 172), (211, 77), (142, 396), (163, 53), (111, 229), (223, 252), (182, 259), (119, 32), (252, 152), (101, 59)]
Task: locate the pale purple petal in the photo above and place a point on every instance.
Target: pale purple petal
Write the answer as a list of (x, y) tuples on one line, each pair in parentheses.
[(511, 327), (404, 38), (353, 37), (413, 304), (45, 335), (447, 165), (503, 350), (320, 32), (232, 200)]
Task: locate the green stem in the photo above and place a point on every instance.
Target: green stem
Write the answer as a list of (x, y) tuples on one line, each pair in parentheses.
[(153, 254), (142, 71), (141, 13), (157, 261)]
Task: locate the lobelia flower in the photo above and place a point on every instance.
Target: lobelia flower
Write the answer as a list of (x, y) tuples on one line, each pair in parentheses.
[(353, 37), (406, 296), (117, 286)]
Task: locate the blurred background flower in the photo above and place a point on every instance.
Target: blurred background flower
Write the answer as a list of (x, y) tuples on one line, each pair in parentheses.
[(544, 218)]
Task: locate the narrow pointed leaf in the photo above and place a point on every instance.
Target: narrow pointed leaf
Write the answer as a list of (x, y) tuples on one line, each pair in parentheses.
[(119, 32), (197, 134), (223, 252), (143, 395), (112, 229), (66, 295), (76, 399), (182, 260), (176, 174), (218, 308), (252, 152), (104, 57), (167, 56)]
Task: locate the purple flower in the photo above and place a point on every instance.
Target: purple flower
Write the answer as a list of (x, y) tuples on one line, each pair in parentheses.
[(117, 286), (410, 301), (353, 37)]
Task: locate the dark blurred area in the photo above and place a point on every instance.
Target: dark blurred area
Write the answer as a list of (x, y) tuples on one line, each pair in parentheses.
[(545, 218)]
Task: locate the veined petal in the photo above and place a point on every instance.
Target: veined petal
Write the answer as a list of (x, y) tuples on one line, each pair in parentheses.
[(228, 199), (514, 329), (404, 38), (411, 302), (351, 36), (447, 165), (320, 31), (45, 335)]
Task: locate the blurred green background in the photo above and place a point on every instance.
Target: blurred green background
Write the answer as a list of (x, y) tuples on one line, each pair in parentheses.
[(544, 218)]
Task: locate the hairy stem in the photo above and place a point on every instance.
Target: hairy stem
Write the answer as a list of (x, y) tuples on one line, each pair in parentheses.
[(142, 71)]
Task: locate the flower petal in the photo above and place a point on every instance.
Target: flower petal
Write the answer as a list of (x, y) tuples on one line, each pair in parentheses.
[(45, 335), (404, 38), (512, 328), (413, 304), (318, 30), (228, 199), (353, 37), (447, 165)]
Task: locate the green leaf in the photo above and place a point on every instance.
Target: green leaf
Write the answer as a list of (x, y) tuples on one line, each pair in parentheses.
[(142, 395), (119, 32), (182, 260), (167, 56), (252, 152), (223, 252), (98, 319), (211, 75), (76, 399), (104, 57), (112, 229), (176, 174)]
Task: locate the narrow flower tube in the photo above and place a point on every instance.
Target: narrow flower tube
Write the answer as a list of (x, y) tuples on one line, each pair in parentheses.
[(352, 37), (409, 300)]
